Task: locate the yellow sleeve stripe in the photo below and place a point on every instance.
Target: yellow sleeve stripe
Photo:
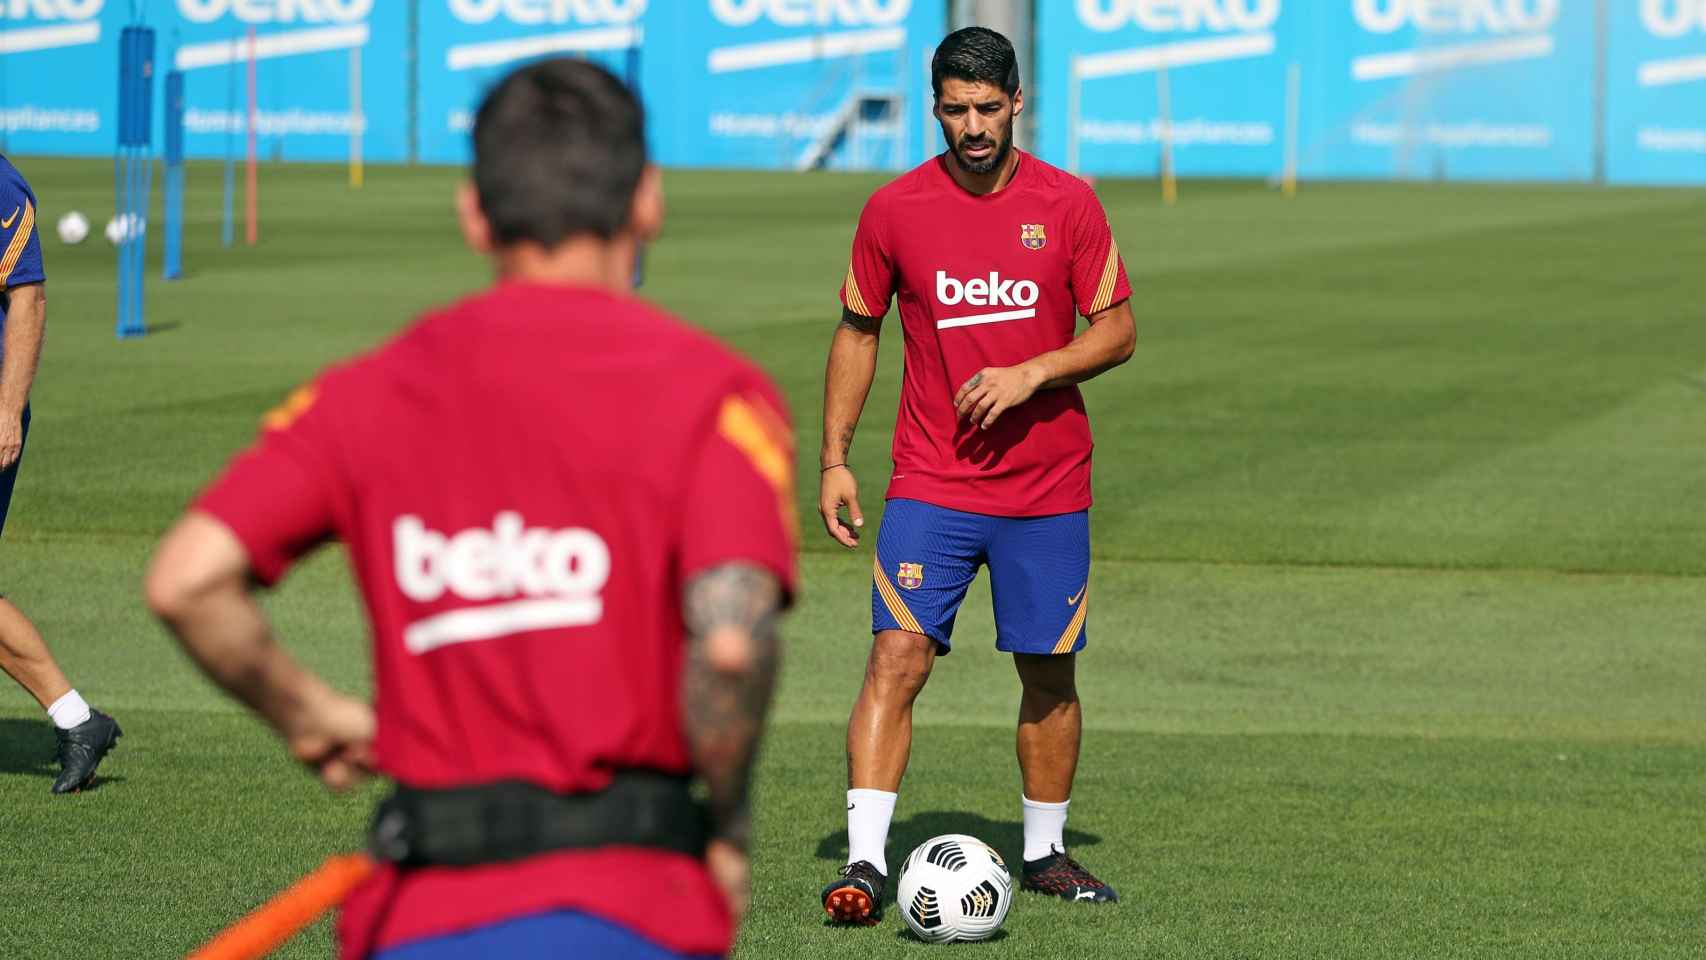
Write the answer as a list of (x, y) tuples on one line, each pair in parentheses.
[(753, 431), (892, 600), (20, 240), (1076, 627), (294, 406), (850, 290), (1110, 274)]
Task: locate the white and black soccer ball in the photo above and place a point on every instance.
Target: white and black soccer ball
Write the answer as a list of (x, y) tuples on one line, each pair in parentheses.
[(73, 228), (954, 887)]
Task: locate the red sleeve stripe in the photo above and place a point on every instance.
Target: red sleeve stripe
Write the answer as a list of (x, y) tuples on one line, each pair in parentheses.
[(20, 240), (850, 290), (1110, 274)]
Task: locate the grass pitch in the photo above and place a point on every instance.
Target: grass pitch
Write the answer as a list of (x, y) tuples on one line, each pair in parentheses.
[(1396, 647)]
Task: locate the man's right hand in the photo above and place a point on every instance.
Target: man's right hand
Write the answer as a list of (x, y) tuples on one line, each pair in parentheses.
[(838, 486), (730, 871), (11, 438)]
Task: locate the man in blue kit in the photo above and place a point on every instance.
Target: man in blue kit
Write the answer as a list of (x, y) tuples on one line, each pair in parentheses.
[(85, 735)]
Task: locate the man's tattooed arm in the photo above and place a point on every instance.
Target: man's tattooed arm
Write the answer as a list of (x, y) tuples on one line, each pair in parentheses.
[(732, 655)]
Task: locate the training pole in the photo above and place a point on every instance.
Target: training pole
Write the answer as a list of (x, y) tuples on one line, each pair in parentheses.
[(358, 122), (273, 923), (172, 265), (1293, 81), (228, 230), (133, 171), (1169, 185), (251, 211)]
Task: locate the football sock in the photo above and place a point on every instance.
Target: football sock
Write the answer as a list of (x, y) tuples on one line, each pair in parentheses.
[(1045, 828), (69, 711), (868, 816)]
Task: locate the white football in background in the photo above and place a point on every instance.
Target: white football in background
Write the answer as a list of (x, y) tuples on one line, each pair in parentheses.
[(73, 228)]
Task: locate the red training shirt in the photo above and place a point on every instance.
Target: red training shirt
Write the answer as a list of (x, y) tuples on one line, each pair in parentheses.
[(525, 481), (986, 281)]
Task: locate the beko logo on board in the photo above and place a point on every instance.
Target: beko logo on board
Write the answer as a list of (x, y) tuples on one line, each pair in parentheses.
[(811, 13), (277, 11), (1169, 16), (538, 12), (1456, 16)]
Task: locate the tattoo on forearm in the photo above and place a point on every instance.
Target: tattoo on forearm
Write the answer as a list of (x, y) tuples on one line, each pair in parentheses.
[(860, 322), (724, 703)]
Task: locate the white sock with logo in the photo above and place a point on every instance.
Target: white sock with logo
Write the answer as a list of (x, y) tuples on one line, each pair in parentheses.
[(69, 711), (868, 815), (1045, 828)]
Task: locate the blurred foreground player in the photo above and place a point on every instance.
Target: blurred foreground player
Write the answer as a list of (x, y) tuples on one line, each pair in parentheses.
[(85, 735), (992, 255), (571, 521)]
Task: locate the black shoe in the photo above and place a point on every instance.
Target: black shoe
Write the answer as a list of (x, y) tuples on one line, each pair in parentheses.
[(1059, 875), (81, 749), (858, 896)]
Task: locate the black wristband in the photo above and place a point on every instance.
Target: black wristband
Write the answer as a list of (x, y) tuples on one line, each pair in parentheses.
[(832, 467)]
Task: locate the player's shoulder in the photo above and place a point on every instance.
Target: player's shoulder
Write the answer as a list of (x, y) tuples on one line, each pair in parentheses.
[(913, 185), (1062, 184)]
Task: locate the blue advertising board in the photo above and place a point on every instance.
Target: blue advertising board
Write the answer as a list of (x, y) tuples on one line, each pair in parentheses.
[(304, 101), (1656, 92), (790, 84), (1103, 65), (1478, 90), (59, 77), (467, 45)]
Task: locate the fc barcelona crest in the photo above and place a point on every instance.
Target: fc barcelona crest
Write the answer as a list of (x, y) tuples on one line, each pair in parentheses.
[(1031, 235), (910, 575)]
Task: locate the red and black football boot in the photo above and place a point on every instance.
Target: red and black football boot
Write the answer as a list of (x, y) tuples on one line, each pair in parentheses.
[(1061, 876), (856, 898)]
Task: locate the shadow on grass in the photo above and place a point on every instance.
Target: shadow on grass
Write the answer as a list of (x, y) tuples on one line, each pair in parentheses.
[(1006, 836), (26, 746), (905, 935)]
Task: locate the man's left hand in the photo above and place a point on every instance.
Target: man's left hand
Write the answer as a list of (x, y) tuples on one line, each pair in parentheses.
[(993, 391), (334, 738)]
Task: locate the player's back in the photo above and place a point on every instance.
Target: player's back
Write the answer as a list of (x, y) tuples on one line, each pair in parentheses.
[(521, 475)]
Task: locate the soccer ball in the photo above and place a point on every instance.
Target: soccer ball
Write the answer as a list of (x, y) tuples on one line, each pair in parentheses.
[(954, 887), (125, 226), (73, 228)]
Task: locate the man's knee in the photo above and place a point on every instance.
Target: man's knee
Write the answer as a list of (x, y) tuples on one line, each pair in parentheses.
[(1047, 678), (900, 663)]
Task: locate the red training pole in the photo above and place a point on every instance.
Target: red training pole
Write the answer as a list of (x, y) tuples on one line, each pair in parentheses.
[(252, 224)]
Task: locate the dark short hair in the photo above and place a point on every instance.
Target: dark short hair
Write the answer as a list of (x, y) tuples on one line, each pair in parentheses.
[(975, 55), (559, 147)]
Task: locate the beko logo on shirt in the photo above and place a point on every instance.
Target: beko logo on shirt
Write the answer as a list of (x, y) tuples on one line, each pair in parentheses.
[(551, 578), (1462, 16), (811, 13), (277, 11), (990, 291), (1167, 16), (51, 9), (978, 292), (1673, 18), (535, 12)]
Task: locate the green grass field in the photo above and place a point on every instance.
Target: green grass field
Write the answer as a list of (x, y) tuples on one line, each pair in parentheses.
[(1399, 586)]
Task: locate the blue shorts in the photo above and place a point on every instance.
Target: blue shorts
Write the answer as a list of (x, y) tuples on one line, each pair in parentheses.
[(9, 476), (1039, 574), (560, 933)]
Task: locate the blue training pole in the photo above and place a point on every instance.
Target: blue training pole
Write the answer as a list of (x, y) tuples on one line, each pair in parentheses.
[(133, 172), (172, 267)]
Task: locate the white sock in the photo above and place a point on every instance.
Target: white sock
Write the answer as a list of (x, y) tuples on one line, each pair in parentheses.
[(1045, 828), (868, 816), (69, 711)]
